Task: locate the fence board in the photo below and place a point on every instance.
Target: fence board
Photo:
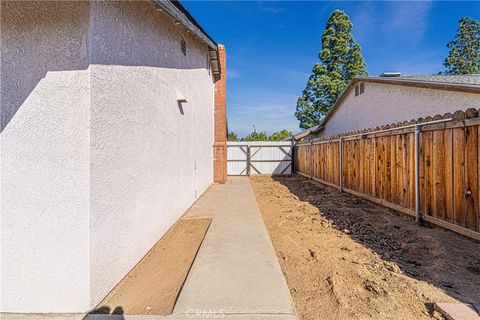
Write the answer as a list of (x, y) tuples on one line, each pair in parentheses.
[(379, 176), (428, 173), (438, 165), (355, 157), (410, 140), (397, 169), (371, 166), (448, 167), (458, 175), (471, 177), (405, 190), (336, 152), (393, 170), (388, 156)]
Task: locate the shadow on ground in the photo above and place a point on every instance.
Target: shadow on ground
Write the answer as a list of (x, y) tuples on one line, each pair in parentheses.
[(104, 313), (442, 258)]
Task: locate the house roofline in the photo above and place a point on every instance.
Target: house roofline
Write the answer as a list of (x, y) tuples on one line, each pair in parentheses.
[(421, 83), (418, 83), (180, 14), (305, 133)]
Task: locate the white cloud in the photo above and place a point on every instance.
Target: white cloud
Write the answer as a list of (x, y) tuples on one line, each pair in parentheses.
[(270, 8), (390, 19), (362, 19), (268, 111), (427, 62), (409, 18)]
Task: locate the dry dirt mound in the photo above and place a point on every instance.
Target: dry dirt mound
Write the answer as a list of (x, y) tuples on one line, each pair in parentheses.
[(347, 258)]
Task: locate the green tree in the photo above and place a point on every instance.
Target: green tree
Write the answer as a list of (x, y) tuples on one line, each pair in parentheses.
[(232, 136), (340, 60), (280, 135), (256, 136), (464, 55)]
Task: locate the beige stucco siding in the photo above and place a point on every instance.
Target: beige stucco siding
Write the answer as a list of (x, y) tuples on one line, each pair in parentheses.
[(382, 104), (98, 159)]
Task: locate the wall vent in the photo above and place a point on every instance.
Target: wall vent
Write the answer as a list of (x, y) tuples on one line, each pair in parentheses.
[(183, 45), (359, 89)]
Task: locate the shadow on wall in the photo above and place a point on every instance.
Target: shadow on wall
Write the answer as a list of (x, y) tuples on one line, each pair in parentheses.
[(442, 258), (44, 36), (104, 313), (28, 52)]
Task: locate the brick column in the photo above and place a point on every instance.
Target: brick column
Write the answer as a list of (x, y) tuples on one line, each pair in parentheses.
[(220, 144)]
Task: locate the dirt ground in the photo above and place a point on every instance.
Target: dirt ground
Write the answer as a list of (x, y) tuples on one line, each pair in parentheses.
[(153, 285), (347, 258)]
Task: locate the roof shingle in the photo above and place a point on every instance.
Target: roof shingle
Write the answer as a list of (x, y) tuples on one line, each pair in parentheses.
[(441, 78)]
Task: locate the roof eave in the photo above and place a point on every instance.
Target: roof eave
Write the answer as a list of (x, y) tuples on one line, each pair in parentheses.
[(180, 15), (306, 133), (449, 86)]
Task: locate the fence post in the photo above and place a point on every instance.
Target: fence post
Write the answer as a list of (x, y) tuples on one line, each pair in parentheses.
[(248, 160), (340, 183), (293, 157), (418, 214), (374, 140)]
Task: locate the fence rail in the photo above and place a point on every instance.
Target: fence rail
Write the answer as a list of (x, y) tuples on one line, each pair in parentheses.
[(379, 165)]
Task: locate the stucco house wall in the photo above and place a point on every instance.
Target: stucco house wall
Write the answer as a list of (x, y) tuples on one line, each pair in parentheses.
[(382, 104), (99, 159), (150, 158), (45, 157)]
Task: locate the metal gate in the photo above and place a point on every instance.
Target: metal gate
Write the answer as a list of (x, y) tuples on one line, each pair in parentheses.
[(259, 157)]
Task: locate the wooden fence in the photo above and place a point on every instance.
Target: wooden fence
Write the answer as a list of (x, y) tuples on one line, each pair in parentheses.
[(379, 165)]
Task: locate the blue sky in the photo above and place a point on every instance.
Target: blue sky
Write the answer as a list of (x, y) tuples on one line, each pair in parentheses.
[(272, 46)]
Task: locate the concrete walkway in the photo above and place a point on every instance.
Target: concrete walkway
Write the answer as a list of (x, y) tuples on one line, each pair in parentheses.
[(236, 271)]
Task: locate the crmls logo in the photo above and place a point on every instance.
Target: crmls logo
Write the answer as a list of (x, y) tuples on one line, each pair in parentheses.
[(205, 314)]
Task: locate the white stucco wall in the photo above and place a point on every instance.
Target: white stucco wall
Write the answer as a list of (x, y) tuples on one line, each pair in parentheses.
[(144, 150), (382, 104), (99, 160), (44, 157)]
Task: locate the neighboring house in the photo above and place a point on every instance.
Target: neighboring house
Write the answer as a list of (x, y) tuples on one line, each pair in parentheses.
[(373, 101), (112, 112)]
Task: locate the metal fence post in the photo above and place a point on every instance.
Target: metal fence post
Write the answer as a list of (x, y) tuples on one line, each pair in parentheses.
[(418, 214), (340, 183)]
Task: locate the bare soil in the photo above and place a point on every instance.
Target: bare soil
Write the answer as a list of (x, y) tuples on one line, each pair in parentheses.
[(153, 285), (346, 258)]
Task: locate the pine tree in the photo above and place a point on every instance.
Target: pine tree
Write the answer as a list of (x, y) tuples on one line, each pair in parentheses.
[(464, 55), (340, 60)]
